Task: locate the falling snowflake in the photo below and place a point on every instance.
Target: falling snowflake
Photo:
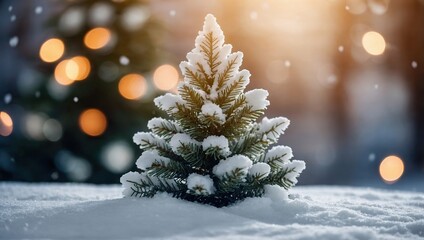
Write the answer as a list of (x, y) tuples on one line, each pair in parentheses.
[(341, 48), (172, 13)]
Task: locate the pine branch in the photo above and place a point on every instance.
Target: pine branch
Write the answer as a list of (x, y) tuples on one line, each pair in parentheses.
[(194, 100), (209, 48), (171, 170), (280, 179), (166, 129), (230, 182), (227, 95), (251, 145), (197, 80), (242, 119), (227, 73)]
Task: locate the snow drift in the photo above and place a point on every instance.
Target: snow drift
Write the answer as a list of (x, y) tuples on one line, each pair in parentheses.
[(76, 211)]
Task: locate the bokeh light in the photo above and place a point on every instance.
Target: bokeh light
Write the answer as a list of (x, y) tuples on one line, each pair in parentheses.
[(52, 130), (97, 38), (6, 124), (62, 71), (51, 50), (165, 77), (373, 43), (117, 156), (391, 169), (93, 122), (78, 68), (132, 86)]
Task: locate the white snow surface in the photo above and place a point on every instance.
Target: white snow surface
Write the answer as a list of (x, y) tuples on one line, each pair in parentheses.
[(81, 211)]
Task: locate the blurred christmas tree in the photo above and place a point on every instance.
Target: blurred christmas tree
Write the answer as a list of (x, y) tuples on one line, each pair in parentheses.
[(96, 68)]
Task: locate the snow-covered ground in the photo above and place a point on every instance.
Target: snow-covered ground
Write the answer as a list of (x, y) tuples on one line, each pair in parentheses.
[(75, 211)]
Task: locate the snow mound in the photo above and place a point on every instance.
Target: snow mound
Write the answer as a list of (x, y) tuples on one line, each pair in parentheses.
[(77, 211)]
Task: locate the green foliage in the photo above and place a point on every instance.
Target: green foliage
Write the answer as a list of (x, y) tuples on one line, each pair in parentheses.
[(211, 107)]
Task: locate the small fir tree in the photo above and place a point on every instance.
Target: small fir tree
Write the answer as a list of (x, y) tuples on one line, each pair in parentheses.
[(213, 151)]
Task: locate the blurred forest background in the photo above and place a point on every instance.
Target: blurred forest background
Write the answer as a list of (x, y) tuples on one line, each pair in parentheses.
[(77, 80)]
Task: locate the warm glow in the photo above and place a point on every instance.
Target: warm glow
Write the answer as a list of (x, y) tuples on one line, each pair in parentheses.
[(165, 77), (97, 38), (93, 122), (391, 169), (373, 43), (78, 68), (132, 86), (6, 124), (62, 71), (52, 50)]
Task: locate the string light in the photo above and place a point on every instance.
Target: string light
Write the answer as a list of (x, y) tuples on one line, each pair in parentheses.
[(132, 86), (51, 50), (97, 38), (93, 122), (165, 77)]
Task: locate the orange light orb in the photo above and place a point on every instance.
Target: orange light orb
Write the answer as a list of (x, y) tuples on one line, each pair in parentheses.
[(51, 50), (373, 43), (391, 169), (132, 86), (165, 77), (6, 124), (93, 122), (62, 72), (78, 68), (97, 38)]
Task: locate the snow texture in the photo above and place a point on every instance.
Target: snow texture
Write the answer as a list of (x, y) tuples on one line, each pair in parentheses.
[(213, 110), (297, 167), (127, 181), (219, 142), (81, 211), (149, 158), (279, 155), (274, 127), (179, 139), (168, 102), (260, 170), (257, 99), (144, 139), (199, 184), (232, 163), (226, 64)]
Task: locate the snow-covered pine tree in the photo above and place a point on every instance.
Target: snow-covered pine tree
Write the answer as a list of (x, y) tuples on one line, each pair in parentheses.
[(213, 150)]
